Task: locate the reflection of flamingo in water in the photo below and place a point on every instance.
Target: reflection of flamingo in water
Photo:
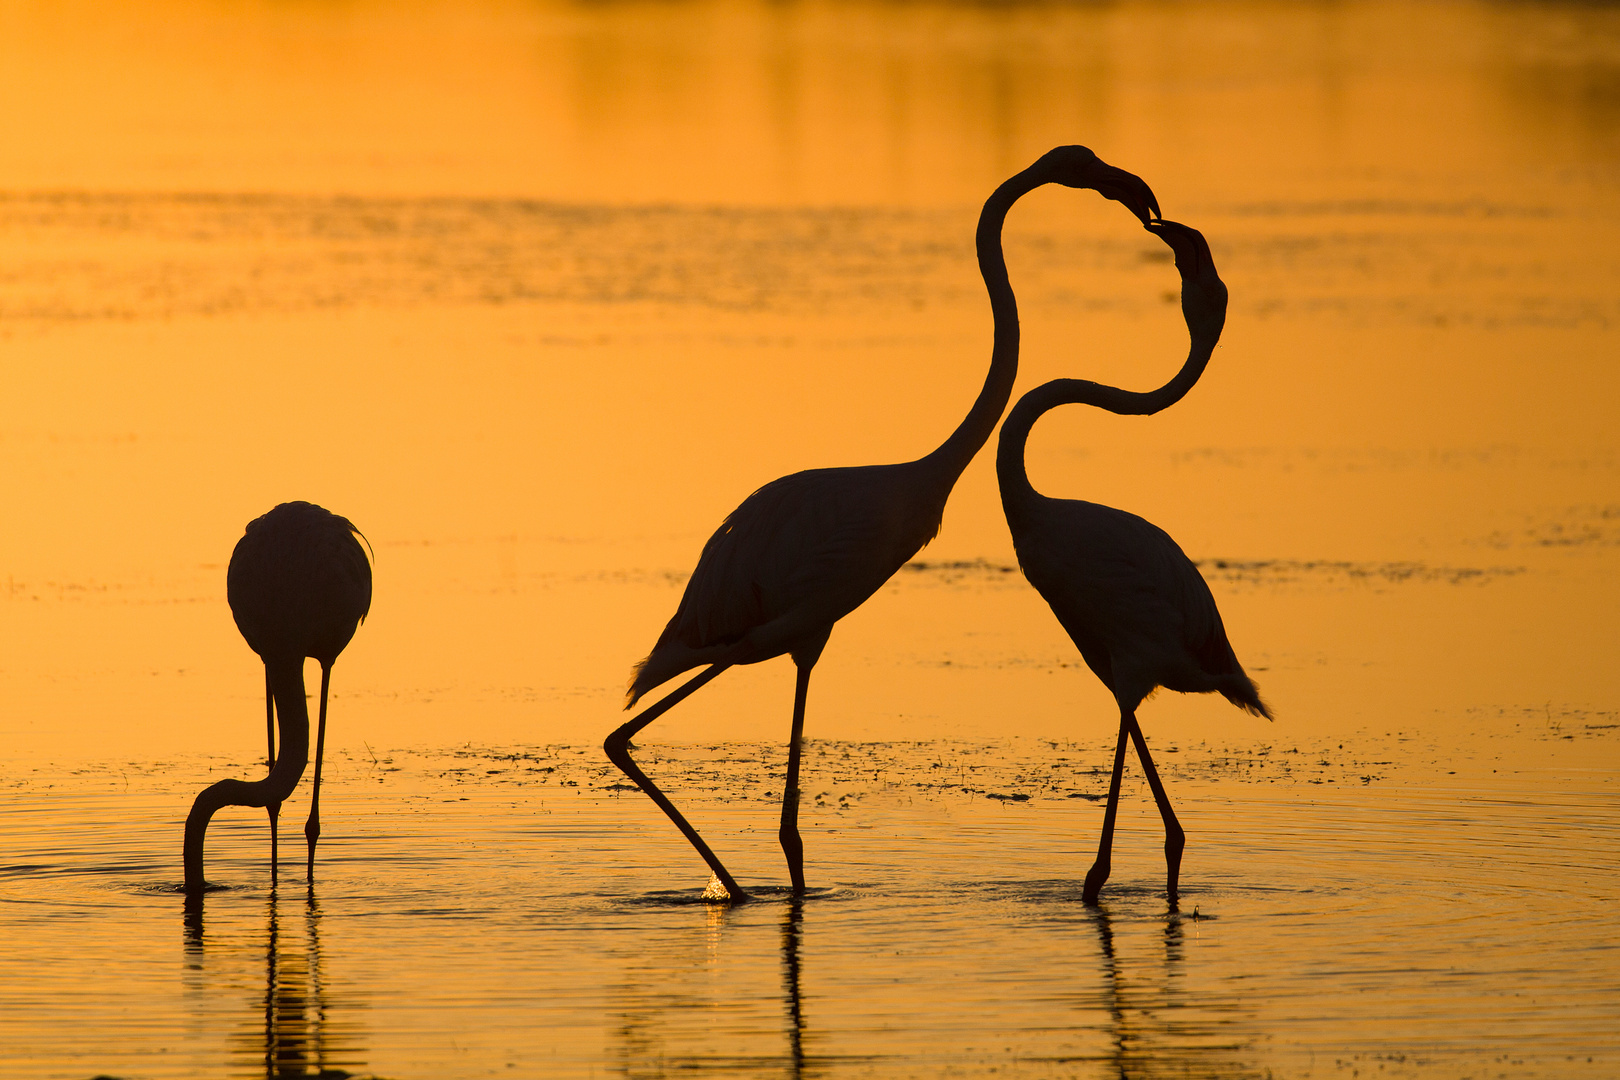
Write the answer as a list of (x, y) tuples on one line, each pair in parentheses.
[(792, 940), (299, 584), (303, 1030), (1135, 605), (805, 550)]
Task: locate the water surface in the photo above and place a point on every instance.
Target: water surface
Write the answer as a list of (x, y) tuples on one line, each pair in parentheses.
[(536, 293), (512, 908)]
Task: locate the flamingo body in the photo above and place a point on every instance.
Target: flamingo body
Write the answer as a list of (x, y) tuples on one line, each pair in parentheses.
[(299, 583), (1132, 601), (798, 555)]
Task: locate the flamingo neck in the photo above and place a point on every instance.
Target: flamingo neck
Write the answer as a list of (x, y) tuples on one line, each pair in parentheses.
[(286, 679), (954, 454), (1010, 472)]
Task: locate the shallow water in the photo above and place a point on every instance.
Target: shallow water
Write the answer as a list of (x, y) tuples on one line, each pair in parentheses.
[(536, 292), (494, 909)]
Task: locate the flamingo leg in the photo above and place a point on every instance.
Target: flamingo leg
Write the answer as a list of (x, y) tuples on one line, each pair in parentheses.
[(270, 736), (1099, 870), (312, 827), (1174, 838), (792, 846), (617, 747)]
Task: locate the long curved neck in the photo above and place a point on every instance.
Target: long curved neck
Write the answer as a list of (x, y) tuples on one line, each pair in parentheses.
[(1010, 472), (286, 678), (955, 452)]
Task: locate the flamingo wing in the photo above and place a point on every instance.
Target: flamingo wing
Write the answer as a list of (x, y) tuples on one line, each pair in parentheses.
[(798, 555), (1125, 590)]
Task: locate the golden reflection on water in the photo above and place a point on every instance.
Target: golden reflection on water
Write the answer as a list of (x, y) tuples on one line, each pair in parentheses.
[(792, 983), (720, 101), (1153, 1033), (507, 905), (303, 1029), (536, 293)]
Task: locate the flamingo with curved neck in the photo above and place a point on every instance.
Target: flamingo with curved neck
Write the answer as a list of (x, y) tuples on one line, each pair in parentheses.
[(807, 549), (299, 584), (1135, 605)]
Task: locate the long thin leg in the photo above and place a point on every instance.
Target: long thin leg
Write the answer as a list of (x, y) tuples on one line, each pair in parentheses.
[(1099, 870), (792, 846), (270, 736), (312, 827), (617, 746), (1174, 838)]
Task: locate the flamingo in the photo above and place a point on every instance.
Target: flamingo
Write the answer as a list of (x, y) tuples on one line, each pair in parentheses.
[(807, 549), (1135, 605), (299, 584)]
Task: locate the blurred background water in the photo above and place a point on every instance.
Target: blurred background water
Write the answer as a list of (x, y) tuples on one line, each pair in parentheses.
[(536, 293)]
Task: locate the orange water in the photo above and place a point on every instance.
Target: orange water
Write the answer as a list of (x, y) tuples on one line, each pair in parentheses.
[(495, 908), (536, 293)]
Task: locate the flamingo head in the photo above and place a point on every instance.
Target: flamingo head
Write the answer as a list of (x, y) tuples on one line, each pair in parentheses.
[(1203, 293), (1077, 167)]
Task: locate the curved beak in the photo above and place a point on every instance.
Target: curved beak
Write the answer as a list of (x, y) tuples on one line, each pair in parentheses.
[(1129, 189)]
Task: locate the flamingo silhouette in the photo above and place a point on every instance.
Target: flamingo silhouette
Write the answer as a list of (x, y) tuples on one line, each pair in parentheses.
[(299, 584), (807, 549), (1134, 604)]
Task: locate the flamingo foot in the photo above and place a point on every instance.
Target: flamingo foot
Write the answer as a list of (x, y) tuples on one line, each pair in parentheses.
[(1095, 879)]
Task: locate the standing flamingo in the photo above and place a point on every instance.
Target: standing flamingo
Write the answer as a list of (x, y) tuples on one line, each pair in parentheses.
[(299, 584), (807, 549), (1134, 604)]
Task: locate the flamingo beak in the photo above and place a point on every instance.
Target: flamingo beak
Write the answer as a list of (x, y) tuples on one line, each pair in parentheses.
[(1192, 250), (1130, 190)]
